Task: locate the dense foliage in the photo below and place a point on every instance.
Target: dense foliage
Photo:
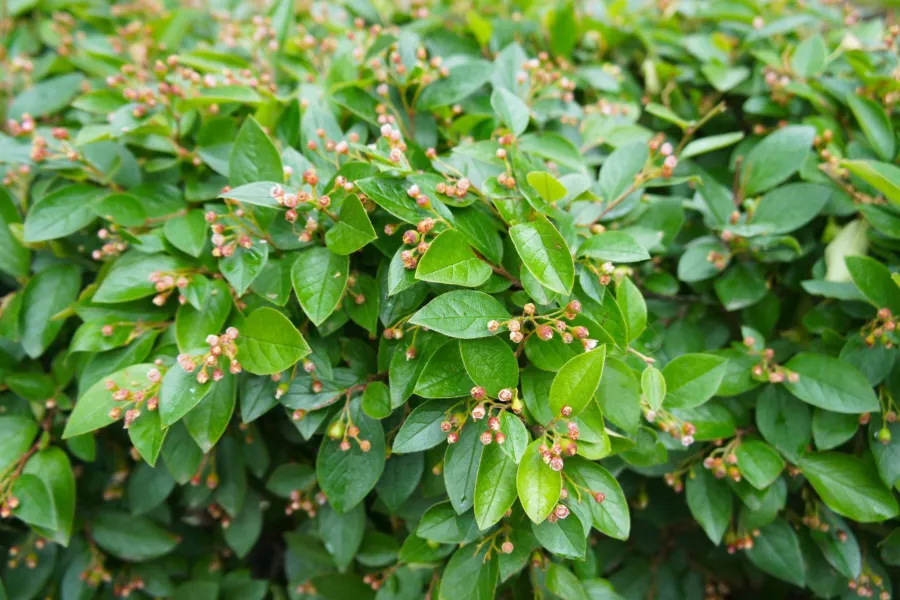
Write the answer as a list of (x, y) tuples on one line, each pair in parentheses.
[(588, 301)]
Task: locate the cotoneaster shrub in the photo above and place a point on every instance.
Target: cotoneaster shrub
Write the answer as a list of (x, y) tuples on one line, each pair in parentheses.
[(554, 300)]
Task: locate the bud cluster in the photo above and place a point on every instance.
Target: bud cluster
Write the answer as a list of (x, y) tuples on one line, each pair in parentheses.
[(869, 585), (165, 283), (344, 430), (881, 330), (136, 396), (740, 541), (221, 347), (545, 327), (723, 463), (767, 369), (669, 423)]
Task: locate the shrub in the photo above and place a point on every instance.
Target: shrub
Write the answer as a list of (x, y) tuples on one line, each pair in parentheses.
[(583, 301)]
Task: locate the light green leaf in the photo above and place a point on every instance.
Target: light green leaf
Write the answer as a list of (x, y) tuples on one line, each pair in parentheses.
[(92, 408), (692, 379), (545, 254), (495, 486), (461, 314), (849, 486), (450, 260), (539, 485), (512, 111), (614, 246), (353, 229), (269, 343), (576, 382), (319, 277), (776, 158), (491, 364), (831, 384)]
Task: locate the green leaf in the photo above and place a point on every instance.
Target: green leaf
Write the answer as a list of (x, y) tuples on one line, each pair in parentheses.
[(576, 382), (461, 314), (258, 193), (539, 486), (207, 421), (614, 246), (876, 124), (883, 177), (132, 538), (842, 553), (634, 308), (444, 376), (15, 259), (545, 254), (253, 156), (873, 279), (469, 574), (692, 379), (831, 429), (147, 435), (148, 487), (129, 277), (788, 208), (831, 384), (269, 343), (242, 267), (710, 502), (192, 326), (179, 393), (547, 186), (92, 408), (450, 260), (490, 363), (51, 291), (187, 232), (461, 468), (759, 463), (16, 434), (46, 97), (441, 523), (422, 428), (463, 80), (711, 143), (347, 477), (391, 194), (783, 421), (562, 582), (353, 230), (809, 57), (653, 385), (849, 486), (564, 538), (512, 111), (724, 77), (376, 400), (35, 505), (610, 516), (342, 533), (52, 466), (620, 168), (777, 552), (495, 486), (319, 278), (778, 156), (619, 394), (517, 438)]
